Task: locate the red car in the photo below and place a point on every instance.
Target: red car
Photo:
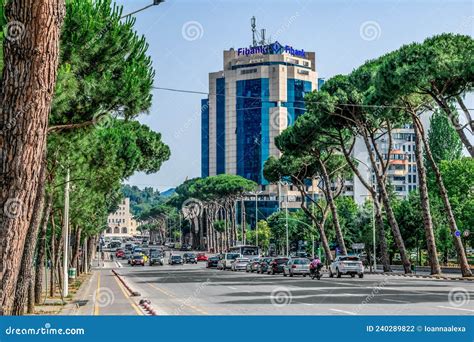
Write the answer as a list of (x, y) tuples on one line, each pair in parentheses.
[(201, 257), (119, 253)]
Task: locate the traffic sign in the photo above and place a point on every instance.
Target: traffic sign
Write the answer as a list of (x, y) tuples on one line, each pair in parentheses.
[(358, 245)]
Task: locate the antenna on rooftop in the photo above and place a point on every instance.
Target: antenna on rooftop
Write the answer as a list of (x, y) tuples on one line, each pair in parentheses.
[(262, 42), (253, 24)]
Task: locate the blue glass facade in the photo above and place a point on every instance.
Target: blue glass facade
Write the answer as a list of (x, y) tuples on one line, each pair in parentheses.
[(204, 137), (295, 98), (220, 125), (253, 127)]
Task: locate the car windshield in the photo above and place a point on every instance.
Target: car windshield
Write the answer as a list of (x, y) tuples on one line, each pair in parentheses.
[(191, 255), (281, 261), (137, 257), (242, 260), (176, 257), (232, 256), (214, 258), (301, 261)]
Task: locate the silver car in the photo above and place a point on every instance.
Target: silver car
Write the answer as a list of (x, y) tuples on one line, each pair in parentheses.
[(239, 264), (346, 264), (296, 266)]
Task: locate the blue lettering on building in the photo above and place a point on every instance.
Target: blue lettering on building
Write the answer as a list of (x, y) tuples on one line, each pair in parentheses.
[(274, 48)]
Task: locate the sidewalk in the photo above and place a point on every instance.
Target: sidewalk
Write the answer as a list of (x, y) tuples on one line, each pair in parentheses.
[(102, 294)]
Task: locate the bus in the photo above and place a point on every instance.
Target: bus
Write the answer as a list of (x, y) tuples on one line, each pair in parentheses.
[(246, 251)]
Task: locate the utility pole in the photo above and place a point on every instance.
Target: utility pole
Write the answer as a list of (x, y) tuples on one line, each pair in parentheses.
[(66, 237), (256, 217)]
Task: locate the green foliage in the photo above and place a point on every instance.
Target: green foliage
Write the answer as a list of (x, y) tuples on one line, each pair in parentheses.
[(104, 65), (141, 200), (443, 139)]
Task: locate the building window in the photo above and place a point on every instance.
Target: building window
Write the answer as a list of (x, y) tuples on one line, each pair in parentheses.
[(248, 71), (116, 230), (108, 231), (124, 230)]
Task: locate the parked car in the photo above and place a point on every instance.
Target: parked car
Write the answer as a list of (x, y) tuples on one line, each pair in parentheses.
[(201, 257), (239, 264), (137, 260), (119, 253), (345, 264), (175, 260), (189, 258), (276, 265), (253, 265), (156, 258), (226, 260), (185, 247), (127, 254), (212, 262), (296, 266), (263, 265)]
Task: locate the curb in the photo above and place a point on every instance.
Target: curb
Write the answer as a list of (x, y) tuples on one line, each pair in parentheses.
[(421, 276), (132, 293), (146, 304)]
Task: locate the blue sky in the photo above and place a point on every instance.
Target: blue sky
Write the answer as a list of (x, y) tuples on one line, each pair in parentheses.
[(187, 38)]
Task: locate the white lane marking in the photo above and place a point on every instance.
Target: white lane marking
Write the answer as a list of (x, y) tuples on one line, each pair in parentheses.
[(343, 311), (450, 307), (232, 288), (395, 300)]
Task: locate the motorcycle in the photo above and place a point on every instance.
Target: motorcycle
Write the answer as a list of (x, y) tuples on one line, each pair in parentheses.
[(315, 272)]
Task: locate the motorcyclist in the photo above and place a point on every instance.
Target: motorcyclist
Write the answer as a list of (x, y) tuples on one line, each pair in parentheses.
[(315, 265)]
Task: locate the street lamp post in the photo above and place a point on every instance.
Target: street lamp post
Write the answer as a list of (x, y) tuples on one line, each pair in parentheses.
[(155, 3), (66, 237)]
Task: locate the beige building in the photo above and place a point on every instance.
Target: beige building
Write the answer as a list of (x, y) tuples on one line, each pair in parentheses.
[(121, 222)]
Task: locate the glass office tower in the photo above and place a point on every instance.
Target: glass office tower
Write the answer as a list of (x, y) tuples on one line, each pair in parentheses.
[(259, 92)]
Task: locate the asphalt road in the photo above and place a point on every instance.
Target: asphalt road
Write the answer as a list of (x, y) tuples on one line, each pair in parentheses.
[(195, 290)]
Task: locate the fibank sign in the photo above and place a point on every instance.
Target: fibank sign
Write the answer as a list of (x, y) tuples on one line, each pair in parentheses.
[(274, 48)]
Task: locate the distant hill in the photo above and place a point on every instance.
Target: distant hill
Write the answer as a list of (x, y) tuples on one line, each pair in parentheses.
[(168, 193)]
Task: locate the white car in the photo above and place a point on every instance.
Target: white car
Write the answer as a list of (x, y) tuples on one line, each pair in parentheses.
[(296, 266), (240, 264), (346, 264)]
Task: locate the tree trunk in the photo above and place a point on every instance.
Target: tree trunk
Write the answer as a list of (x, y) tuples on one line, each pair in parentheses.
[(425, 201), (76, 251), (27, 261), (375, 196), (28, 83), (40, 263), (31, 295), (332, 207), (388, 208), (467, 114), (455, 121), (464, 265)]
